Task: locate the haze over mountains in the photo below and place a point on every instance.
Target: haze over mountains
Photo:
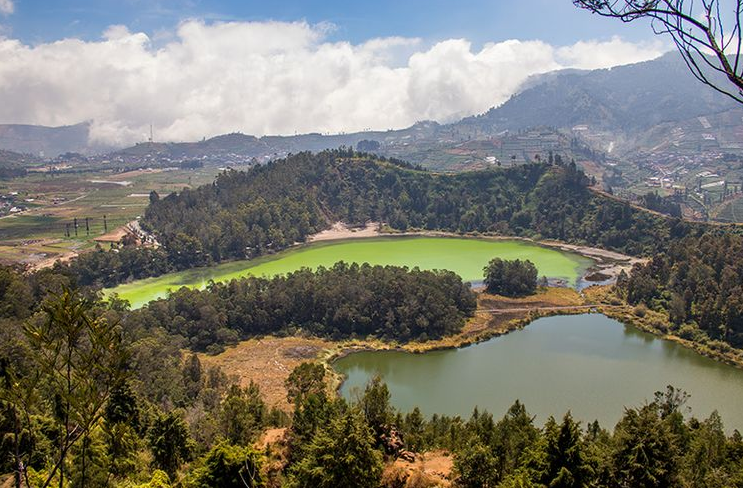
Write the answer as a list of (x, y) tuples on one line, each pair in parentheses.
[(46, 141), (625, 102), (624, 98)]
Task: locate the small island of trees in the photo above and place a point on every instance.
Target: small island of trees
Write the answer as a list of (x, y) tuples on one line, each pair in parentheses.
[(510, 278)]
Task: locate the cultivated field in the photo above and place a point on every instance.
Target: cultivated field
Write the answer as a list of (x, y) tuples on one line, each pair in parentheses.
[(52, 202)]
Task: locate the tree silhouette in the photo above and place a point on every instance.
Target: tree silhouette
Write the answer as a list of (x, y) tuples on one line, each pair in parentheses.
[(707, 33), (79, 357)]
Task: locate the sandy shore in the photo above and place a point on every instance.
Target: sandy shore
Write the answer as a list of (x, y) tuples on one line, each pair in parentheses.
[(608, 263), (340, 230)]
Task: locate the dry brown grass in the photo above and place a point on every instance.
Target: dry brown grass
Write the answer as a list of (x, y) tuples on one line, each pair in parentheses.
[(545, 297), (268, 362), (602, 294)]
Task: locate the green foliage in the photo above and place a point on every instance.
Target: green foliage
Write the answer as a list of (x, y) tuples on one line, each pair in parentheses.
[(665, 205), (229, 466), (338, 302), (272, 206), (16, 294), (476, 467), (644, 455), (306, 379), (122, 406), (170, 442), (242, 414), (375, 405), (109, 268), (565, 463), (511, 278), (159, 479), (89, 466), (311, 414), (513, 436), (341, 456), (78, 358), (698, 283), (122, 445), (193, 380)]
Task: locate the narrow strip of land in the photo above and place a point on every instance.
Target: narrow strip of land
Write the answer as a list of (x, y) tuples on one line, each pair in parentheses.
[(544, 309)]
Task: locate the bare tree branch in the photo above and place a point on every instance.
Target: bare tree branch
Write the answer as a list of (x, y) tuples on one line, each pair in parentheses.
[(706, 33)]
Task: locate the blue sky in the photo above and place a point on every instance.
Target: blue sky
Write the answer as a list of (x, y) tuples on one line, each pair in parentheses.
[(557, 22)]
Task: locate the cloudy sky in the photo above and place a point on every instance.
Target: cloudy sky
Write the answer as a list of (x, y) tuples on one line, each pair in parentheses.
[(196, 69)]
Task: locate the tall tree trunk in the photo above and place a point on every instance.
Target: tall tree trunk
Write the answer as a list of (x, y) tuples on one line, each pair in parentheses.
[(17, 449), (85, 447)]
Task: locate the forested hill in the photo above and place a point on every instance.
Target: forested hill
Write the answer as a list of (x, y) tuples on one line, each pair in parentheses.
[(270, 207), (695, 276)]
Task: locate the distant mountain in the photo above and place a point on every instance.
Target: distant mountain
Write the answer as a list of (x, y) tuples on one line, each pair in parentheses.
[(623, 104), (625, 98), (45, 141), (239, 146), (626, 102)]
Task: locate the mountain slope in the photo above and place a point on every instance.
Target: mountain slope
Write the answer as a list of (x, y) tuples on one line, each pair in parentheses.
[(625, 98), (47, 141)]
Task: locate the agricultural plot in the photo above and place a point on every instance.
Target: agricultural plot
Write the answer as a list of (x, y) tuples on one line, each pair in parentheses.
[(45, 229)]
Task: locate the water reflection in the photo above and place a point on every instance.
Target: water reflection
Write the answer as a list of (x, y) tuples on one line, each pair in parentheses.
[(589, 364)]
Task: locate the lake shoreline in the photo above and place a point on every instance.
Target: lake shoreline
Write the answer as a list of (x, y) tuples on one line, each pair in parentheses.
[(465, 255), (588, 345), (620, 312), (498, 324), (732, 357), (610, 263), (242, 360), (602, 266)]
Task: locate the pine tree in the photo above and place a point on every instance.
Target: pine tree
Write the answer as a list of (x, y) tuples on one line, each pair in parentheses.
[(342, 456)]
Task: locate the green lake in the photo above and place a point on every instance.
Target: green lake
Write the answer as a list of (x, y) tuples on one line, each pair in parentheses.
[(464, 256), (589, 364)]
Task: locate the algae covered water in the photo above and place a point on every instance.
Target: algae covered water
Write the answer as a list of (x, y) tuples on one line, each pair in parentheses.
[(589, 364), (464, 256)]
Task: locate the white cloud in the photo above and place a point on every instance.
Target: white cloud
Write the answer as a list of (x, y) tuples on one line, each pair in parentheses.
[(7, 7), (596, 55), (270, 78)]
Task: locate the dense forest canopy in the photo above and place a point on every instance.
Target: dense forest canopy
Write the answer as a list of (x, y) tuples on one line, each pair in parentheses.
[(698, 282), (139, 410), (270, 207), (694, 277), (343, 301), (510, 278), (161, 419)]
